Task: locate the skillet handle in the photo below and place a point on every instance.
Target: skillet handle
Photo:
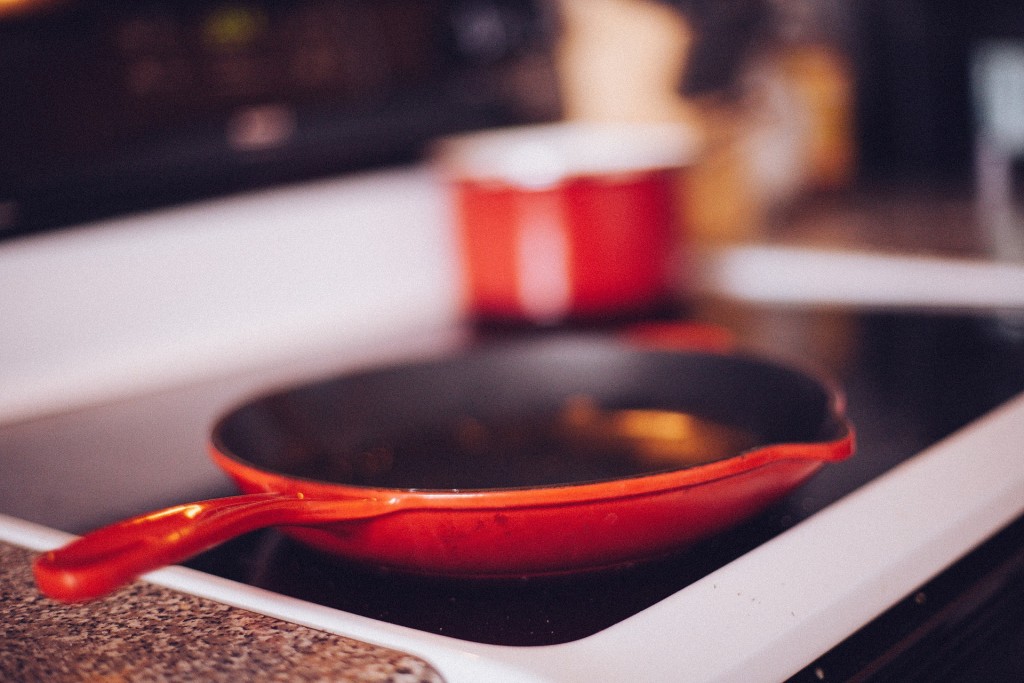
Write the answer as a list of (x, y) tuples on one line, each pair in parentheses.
[(106, 559)]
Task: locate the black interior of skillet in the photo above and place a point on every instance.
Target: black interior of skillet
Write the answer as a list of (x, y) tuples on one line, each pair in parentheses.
[(291, 431)]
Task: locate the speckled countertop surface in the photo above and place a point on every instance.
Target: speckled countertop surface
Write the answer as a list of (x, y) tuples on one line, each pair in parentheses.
[(148, 633)]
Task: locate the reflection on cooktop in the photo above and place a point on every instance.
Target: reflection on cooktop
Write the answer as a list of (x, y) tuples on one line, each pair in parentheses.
[(910, 380), (534, 611)]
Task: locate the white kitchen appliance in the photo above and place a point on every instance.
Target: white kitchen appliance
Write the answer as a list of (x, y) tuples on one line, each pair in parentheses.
[(123, 340)]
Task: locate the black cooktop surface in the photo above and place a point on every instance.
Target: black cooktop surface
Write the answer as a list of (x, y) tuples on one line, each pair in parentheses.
[(910, 380)]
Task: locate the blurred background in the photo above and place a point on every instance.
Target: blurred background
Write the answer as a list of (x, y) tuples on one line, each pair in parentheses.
[(112, 107)]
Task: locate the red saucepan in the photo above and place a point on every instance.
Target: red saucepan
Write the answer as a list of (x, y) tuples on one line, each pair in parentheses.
[(551, 455)]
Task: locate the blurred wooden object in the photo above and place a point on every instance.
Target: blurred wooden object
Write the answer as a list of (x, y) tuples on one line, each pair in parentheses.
[(624, 60), (789, 132)]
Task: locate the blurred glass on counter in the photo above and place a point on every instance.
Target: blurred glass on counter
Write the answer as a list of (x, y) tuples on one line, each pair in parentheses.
[(997, 80), (767, 83)]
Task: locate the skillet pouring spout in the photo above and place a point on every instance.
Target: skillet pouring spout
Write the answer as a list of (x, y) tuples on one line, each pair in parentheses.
[(108, 558)]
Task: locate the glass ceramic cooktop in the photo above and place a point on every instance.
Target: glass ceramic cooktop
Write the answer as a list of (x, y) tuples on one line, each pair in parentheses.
[(910, 380)]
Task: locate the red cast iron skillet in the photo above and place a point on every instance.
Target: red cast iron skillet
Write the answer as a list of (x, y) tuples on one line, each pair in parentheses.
[(267, 445)]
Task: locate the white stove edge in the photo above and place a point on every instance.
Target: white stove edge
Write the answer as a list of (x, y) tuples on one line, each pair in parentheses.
[(780, 274), (760, 618), (143, 302)]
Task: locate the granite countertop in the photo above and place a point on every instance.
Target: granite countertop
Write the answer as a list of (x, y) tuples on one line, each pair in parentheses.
[(147, 633), (934, 221)]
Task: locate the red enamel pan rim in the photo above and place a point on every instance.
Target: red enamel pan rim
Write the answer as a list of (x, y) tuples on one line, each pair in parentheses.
[(558, 494)]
